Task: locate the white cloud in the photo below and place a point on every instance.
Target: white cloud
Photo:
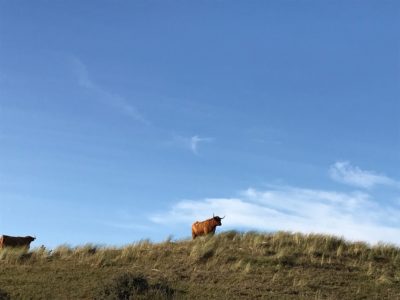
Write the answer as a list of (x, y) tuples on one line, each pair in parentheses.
[(82, 74), (195, 140), (355, 215), (191, 143), (344, 172), (104, 95)]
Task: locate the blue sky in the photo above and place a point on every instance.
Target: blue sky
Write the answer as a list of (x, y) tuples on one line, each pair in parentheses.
[(125, 120)]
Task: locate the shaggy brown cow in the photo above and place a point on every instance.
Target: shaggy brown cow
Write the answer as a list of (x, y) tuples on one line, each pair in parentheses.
[(206, 227), (15, 241)]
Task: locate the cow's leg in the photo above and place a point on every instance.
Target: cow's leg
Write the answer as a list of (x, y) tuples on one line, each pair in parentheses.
[(193, 235)]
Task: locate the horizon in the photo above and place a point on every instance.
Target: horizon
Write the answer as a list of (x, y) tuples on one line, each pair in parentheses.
[(122, 121)]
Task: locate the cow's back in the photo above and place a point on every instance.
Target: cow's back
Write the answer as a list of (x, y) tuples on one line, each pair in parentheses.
[(8, 241), (201, 228), (195, 226), (15, 241)]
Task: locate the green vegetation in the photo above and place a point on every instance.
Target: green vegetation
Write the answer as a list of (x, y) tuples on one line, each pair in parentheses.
[(229, 265)]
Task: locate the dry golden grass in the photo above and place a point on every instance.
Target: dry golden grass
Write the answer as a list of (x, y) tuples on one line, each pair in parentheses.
[(230, 265)]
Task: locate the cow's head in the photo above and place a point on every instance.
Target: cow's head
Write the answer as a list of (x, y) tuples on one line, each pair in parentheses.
[(31, 238), (218, 220)]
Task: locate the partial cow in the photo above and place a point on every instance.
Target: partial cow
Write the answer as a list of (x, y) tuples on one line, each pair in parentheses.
[(16, 241), (206, 227)]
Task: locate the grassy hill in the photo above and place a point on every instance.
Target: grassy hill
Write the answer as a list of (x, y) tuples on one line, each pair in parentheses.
[(229, 265)]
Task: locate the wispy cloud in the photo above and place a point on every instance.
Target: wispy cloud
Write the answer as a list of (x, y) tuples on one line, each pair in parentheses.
[(356, 215), (195, 141), (3, 77), (191, 143), (344, 172), (107, 97)]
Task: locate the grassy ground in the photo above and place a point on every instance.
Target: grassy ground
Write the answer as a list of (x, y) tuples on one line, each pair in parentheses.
[(230, 265)]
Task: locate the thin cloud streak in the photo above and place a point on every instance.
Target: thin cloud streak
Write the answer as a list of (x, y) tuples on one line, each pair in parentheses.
[(344, 172), (191, 143), (105, 96), (195, 141)]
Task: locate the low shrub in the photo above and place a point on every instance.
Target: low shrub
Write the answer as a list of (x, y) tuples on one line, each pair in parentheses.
[(4, 295), (131, 286)]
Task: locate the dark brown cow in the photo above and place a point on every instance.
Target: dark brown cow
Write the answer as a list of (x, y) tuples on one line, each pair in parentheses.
[(16, 241), (206, 227)]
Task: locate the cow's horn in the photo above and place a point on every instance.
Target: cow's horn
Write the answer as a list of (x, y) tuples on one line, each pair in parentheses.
[(213, 215), (223, 217)]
